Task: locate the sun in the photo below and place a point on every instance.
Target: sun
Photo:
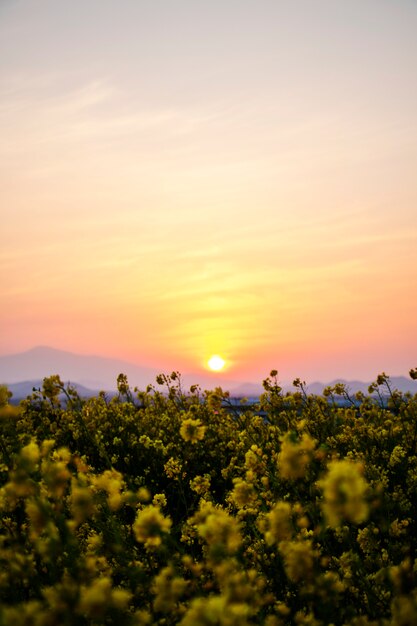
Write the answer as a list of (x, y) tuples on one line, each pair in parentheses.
[(216, 363)]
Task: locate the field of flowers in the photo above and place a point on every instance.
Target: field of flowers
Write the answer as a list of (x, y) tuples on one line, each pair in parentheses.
[(170, 507)]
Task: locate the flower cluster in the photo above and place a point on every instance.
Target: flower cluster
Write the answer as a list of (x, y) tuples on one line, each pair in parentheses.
[(172, 507), (344, 493)]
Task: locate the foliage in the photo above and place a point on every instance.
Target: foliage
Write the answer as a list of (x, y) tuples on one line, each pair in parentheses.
[(172, 507)]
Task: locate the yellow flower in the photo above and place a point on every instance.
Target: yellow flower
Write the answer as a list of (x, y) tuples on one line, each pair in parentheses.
[(201, 484), (216, 610), (243, 494), (159, 500), (97, 598), (31, 453), (143, 494), (399, 528), (277, 524), (404, 610), (62, 455), (36, 516), (397, 455), (298, 557), (56, 476), (220, 531), (344, 493), (150, 525), (82, 502), (167, 588), (94, 599), (112, 482), (295, 456), (47, 445), (173, 468), (192, 430), (255, 460)]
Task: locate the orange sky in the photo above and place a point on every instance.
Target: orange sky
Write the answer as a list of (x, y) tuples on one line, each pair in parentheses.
[(179, 179)]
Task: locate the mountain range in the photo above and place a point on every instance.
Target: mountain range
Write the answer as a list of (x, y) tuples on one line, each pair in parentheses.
[(90, 374)]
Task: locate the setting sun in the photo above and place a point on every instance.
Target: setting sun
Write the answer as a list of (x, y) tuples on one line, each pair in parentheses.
[(216, 363)]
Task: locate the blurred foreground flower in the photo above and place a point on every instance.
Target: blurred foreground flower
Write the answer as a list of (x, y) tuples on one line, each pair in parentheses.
[(192, 430), (344, 492), (150, 525), (277, 524), (218, 529), (295, 456)]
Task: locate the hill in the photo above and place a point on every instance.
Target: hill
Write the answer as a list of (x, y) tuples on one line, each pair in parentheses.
[(92, 372), (23, 371)]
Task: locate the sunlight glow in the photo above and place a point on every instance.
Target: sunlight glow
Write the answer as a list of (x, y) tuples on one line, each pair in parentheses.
[(216, 363), (166, 198)]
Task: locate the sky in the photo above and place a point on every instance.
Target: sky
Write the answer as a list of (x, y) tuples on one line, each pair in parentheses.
[(183, 178)]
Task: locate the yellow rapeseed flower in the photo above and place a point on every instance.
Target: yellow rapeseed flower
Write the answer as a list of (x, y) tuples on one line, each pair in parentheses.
[(167, 588), (277, 524), (173, 468), (243, 494), (344, 492), (298, 557), (159, 500), (192, 430), (143, 494), (216, 610), (150, 525), (397, 455), (219, 530), (31, 453), (36, 516), (94, 599), (81, 502), (201, 484), (255, 460), (112, 482), (97, 598), (295, 456)]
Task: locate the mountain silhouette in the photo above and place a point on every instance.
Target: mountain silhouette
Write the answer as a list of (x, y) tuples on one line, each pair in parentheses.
[(94, 373)]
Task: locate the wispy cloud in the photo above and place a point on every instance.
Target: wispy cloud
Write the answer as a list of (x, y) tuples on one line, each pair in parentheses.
[(33, 112)]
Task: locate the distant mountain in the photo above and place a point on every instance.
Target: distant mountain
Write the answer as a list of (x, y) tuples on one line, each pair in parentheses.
[(25, 388), (21, 372), (248, 390), (93, 372), (401, 383)]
